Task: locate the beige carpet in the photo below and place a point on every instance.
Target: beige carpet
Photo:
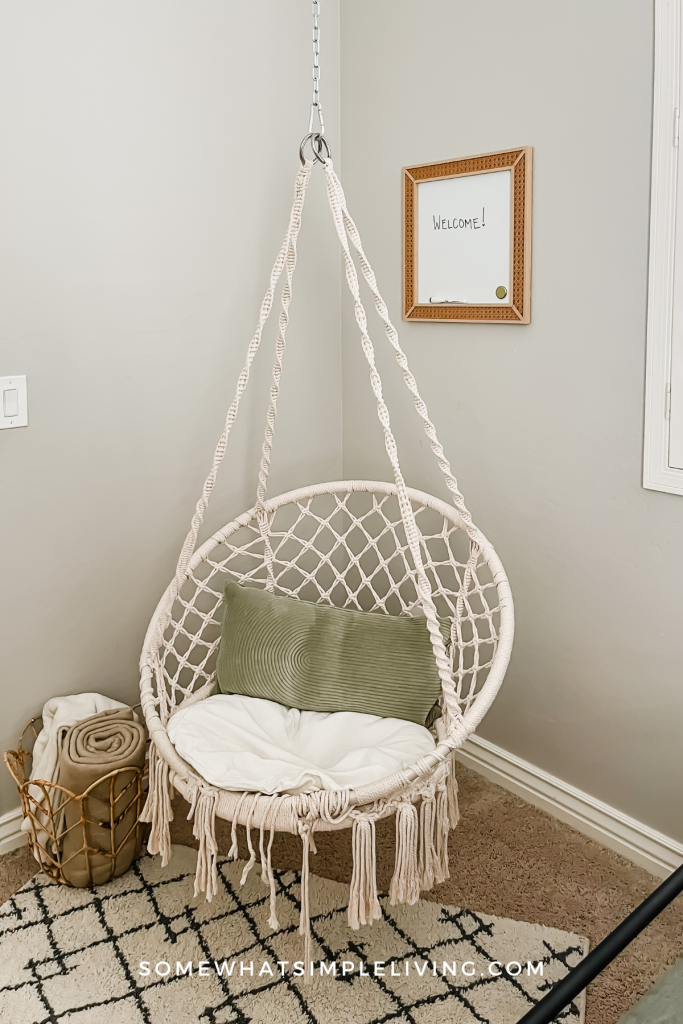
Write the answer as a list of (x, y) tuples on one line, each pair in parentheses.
[(144, 950), (511, 860)]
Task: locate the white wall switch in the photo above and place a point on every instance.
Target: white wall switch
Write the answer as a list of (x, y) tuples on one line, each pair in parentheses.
[(14, 404)]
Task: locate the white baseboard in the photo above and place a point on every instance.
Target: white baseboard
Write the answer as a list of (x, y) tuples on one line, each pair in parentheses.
[(651, 850), (11, 836)]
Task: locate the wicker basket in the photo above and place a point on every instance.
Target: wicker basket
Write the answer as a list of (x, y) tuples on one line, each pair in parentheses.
[(127, 792)]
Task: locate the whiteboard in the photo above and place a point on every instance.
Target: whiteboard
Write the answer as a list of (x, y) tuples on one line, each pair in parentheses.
[(464, 234)]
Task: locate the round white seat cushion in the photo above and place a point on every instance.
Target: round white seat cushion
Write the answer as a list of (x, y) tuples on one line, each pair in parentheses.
[(246, 744)]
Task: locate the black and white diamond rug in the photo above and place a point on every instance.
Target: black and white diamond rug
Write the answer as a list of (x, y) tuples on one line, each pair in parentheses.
[(144, 950)]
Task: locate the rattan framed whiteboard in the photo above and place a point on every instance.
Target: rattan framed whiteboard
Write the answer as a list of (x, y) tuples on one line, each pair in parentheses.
[(467, 239)]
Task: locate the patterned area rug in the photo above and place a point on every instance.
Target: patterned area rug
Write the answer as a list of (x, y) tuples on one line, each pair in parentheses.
[(144, 950)]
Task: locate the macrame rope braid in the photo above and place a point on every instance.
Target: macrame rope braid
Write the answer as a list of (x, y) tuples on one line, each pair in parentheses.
[(411, 384), (188, 547), (401, 358), (264, 469), (452, 711)]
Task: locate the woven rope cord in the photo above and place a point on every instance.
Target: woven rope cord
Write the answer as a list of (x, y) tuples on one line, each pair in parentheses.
[(409, 379), (401, 358), (264, 468), (337, 205)]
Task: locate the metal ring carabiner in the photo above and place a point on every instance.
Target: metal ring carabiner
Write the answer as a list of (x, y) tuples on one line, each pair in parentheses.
[(318, 144)]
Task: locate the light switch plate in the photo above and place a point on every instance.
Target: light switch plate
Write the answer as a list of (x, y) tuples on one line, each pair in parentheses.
[(15, 399)]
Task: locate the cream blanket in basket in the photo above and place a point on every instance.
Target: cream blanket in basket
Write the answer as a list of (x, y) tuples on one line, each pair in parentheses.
[(59, 714)]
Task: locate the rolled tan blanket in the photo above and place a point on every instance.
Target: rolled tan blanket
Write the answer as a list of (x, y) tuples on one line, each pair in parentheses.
[(106, 844)]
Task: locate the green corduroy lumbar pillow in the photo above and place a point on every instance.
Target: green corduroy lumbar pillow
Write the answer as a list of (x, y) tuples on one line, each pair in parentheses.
[(318, 658)]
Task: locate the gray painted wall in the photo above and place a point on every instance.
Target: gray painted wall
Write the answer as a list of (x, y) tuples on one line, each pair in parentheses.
[(149, 155), (146, 179), (543, 423)]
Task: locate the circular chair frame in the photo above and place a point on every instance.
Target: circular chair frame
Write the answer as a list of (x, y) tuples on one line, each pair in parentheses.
[(475, 702)]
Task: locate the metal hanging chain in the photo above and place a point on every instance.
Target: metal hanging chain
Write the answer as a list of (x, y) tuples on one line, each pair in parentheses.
[(315, 102), (319, 143)]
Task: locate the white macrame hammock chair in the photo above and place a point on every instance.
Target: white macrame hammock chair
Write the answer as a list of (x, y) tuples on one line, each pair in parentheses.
[(375, 547)]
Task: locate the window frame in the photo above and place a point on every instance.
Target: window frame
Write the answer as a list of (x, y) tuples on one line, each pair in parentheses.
[(657, 473)]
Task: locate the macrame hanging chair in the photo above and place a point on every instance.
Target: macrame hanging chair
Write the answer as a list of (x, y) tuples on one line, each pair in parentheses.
[(371, 546)]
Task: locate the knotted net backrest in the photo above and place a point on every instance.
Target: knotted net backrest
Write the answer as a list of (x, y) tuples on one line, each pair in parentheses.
[(345, 545)]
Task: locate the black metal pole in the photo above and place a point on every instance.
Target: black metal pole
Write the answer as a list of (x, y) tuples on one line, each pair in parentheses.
[(575, 982)]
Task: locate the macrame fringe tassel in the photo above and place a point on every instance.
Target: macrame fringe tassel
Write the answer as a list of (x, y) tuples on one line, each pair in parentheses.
[(267, 875), (405, 883), (252, 855), (272, 920), (158, 810), (234, 851), (441, 830), (203, 807), (364, 906), (305, 916), (426, 857), (452, 791)]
